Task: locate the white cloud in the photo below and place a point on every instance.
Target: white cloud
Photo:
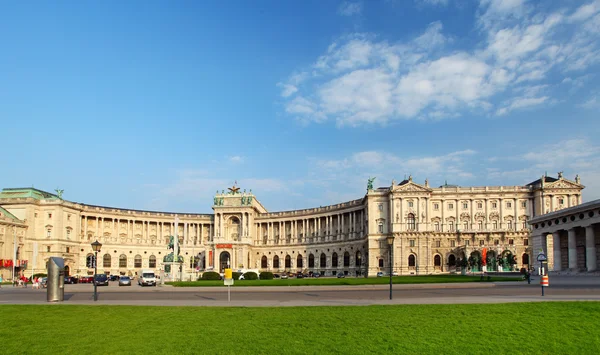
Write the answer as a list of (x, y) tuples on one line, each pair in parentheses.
[(585, 11), (434, 2), (592, 103), (363, 80), (350, 8), (236, 159)]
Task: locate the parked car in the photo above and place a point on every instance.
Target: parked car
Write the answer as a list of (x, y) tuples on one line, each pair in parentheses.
[(284, 276), (124, 281), (341, 275), (85, 279), (114, 278), (101, 280), (380, 274), (299, 275), (70, 280)]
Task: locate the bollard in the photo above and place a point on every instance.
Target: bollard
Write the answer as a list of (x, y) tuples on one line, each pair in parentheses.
[(55, 291)]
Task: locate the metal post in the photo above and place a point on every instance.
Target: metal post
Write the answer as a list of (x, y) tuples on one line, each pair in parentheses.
[(94, 279), (390, 272)]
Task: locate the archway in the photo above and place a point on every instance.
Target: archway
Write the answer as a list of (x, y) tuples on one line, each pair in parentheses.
[(263, 262), (224, 261), (311, 261), (525, 260), (288, 262), (507, 260), (437, 262), (276, 262), (451, 260), (299, 263), (475, 261), (334, 261), (412, 261), (323, 263), (491, 261), (346, 259), (67, 270)]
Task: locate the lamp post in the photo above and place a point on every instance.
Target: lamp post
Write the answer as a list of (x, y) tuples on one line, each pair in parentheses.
[(96, 248), (390, 241)]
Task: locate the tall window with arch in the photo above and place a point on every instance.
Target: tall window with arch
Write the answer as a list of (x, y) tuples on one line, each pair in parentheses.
[(412, 225)]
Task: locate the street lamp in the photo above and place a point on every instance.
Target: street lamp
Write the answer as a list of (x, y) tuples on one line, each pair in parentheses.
[(96, 248), (390, 241)]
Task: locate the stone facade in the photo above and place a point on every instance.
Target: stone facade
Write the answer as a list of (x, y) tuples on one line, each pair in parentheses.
[(434, 229)]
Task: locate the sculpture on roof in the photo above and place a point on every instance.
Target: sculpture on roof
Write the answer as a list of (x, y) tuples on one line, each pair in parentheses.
[(370, 184), (560, 174), (59, 193)]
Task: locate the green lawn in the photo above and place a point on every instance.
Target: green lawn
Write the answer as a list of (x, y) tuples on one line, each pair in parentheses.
[(349, 281), (516, 328)]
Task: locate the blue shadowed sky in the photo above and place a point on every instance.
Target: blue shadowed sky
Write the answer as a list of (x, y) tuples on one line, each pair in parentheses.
[(157, 105)]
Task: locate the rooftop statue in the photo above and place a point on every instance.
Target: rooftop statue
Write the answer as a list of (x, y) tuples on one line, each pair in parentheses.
[(370, 183), (59, 193)]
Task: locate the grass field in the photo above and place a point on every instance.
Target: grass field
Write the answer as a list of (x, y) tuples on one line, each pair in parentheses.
[(348, 281), (516, 328)]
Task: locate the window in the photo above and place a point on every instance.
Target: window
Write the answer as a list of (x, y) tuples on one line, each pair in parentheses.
[(67, 250), (106, 260), (137, 261), (380, 262), (437, 226), (68, 217), (68, 233), (467, 242), (524, 225), (508, 205), (438, 244), (411, 260), (496, 242), (123, 260), (511, 241), (479, 205), (510, 225), (49, 215), (411, 222), (35, 215), (380, 206), (453, 243), (525, 241), (524, 204), (561, 201), (436, 206), (466, 225), (480, 225), (380, 228), (450, 206), (494, 205), (481, 242), (48, 249), (49, 233), (495, 224), (410, 204), (465, 206), (412, 243), (451, 226)]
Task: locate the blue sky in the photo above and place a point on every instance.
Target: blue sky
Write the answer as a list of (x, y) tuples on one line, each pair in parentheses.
[(156, 105)]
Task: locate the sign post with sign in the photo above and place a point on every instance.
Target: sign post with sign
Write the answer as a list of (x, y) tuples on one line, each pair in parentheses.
[(543, 276), (228, 281)]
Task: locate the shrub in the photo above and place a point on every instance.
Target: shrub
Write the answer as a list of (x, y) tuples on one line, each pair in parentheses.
[(211, 275), (236, 275), (266, 275), (251, 276)]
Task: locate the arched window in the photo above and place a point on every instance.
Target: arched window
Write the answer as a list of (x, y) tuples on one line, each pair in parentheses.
[(263, 262), (323, 260), (346, 259), (276, 262), (357, 259), (525, 259), (411, 222), (137, 262), (311, 261), (437, 260), (288, 262), (106, 260), (451, 260), (152, 261), (299, 261), (380, 262), (89, 260), (411, 260), (123, 260), (334, 260)]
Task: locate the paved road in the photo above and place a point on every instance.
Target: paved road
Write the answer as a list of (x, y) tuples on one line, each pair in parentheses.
[(561, 289)]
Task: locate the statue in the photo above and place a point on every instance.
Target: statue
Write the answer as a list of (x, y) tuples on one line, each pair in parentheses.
[(215, 200), (577, 179), (370, 183), (59, 193), (243, 200), (249, 200), (560, 174), (397, 218), (426, 182), (169, 258)]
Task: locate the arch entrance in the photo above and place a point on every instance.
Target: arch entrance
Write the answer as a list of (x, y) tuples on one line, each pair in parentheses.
[(224, 261)]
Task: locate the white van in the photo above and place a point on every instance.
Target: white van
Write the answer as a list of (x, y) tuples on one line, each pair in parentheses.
[(147, 278)]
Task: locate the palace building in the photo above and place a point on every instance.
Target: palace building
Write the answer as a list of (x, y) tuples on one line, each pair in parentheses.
[(436, 230)]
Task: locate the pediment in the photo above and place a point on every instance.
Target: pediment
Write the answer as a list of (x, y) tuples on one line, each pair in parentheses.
[(562, 184), (411, 187)]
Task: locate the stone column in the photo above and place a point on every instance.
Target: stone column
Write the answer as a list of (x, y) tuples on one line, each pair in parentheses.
[(572, 250), (557, 256), (590, 249), (85, 224)]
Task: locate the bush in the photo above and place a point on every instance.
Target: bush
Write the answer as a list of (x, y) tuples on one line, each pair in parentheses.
[(266, 275), (251, 276), (211, 275), (236, 275)]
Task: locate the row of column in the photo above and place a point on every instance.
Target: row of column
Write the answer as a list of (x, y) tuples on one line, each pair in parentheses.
[(190, 230), (327, 226), (590, 249)]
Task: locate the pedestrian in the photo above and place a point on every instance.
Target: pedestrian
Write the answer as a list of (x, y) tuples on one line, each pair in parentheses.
[(1, 279)]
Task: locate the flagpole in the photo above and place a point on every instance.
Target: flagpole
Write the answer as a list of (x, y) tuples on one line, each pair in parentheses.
[(176, 246)]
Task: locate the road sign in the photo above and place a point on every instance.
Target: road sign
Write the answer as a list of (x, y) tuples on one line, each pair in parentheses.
[(541, 257), (228, 282)]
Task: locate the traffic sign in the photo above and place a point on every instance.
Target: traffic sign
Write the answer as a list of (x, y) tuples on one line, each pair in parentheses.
[(541, 257)]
